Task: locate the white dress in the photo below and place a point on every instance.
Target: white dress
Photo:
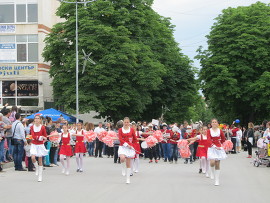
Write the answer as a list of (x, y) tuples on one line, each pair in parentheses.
[(38, 150), (123, 150), (212, 152)]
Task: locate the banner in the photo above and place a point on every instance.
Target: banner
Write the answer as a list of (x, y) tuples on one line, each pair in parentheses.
[(18, 71), (8, 53), (7, 28)]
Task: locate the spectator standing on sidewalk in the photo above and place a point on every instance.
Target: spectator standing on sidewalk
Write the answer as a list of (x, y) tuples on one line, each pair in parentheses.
[(19, 141)]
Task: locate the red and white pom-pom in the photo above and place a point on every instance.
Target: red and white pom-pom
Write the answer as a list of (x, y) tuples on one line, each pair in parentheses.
[(90, 136), (54, 136), (185, 152), (102, 134), (151, 141), (183, 148), (227, 145), (112, 134), (108, 140), (182, 144), (158, 135)]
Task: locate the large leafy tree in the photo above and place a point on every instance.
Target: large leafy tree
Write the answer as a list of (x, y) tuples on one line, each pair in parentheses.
[(235, 68), (135, 53)]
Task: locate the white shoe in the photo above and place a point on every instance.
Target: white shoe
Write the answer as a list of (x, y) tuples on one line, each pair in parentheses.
[(67, 172), (207, 175), (40, 171), (81, 170), (136, 171), (217, 172), (128, 176)]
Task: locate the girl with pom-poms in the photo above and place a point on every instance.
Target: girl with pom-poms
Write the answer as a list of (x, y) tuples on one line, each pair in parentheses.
[(126, 152), (215, 153), (39, 135), (79, 147), (202, 149), (65, 149)]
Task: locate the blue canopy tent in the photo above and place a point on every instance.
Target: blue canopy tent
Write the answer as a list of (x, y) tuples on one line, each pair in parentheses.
[(55, 115)]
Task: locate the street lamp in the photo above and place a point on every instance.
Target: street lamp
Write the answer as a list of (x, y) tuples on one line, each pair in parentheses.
[(77, 53)]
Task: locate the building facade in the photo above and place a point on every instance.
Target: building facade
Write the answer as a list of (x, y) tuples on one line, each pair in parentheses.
[(24, 76)]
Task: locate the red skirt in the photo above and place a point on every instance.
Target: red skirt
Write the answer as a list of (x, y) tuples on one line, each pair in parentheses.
[(201, 151), (65, 150), (137, 148), (80, 147)]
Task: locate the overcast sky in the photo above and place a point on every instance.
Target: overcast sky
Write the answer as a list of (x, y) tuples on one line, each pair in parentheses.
[(194, 18)]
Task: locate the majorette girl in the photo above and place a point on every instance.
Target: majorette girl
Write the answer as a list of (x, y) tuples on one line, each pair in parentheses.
[(127, 138), (202, 150), (79, 147), (65, 150), (215, 152), (39, 134), (152, 150), (137, 147)]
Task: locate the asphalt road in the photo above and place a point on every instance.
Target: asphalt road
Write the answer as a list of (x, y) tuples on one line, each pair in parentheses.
[(240, 182)]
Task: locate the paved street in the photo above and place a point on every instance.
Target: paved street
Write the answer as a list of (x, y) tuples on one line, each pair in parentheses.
[(162, 182)]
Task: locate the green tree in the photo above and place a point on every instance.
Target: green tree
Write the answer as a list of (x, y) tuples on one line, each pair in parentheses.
[(235, 67), (127, 39)]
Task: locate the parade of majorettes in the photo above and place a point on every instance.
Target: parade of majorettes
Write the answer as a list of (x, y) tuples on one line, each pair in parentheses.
[(129, 145)]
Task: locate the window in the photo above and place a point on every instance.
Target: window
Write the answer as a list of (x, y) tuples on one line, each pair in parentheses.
[(24, 48), (19, 11), (24, 93), (7, 13)]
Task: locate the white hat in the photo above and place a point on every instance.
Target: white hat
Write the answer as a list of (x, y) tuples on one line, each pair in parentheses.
[(164, 124), (150, 125), (1, 115), (189, 126)]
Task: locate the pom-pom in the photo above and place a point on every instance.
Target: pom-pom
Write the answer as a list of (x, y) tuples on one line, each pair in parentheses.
[(158, 135), (183, 148), (54, 136), (112, 134), (108, 140), (90, 136), (151, 141), (182, 143), (102, 134), (227, 145)]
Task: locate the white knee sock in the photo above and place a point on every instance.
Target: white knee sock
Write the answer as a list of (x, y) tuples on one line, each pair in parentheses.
[(124, 168), (136, 163), (81, 160), (207, 168), (203, 160), (78, 160), (212, 172), (62, 160)]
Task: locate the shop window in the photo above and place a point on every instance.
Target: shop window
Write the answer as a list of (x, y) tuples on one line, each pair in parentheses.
[(27, 88), (8, 88), (27, 102), (10, 101)]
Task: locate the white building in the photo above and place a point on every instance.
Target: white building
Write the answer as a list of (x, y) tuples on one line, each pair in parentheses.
[(24, 77)]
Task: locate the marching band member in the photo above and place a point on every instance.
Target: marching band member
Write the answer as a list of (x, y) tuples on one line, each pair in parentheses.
[(126, 150), (166, 146), (37, 149), (202, 150), (152, 150), (65, 149), (79, 147), (137, 147), (189, 134), (173, 140), (215, 152)]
